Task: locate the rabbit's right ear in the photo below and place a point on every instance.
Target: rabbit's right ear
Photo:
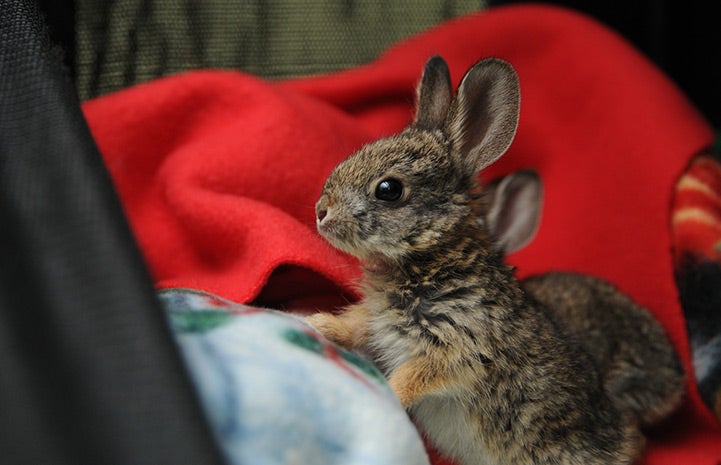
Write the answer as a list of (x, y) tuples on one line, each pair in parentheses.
[(434, 95), (484, 115), (514, 213)]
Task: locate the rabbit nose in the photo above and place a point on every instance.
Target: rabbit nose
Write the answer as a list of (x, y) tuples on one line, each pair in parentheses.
[(321, 209)]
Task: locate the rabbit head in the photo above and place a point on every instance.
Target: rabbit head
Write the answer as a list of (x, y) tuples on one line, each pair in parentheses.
[(402, 194)]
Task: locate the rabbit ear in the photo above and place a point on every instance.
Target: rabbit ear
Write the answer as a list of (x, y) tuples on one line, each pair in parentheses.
[(484, 114), (434, 95), (515, 209)]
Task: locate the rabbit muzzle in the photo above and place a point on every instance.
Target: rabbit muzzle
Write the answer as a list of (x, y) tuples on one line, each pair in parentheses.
[(321, 210), (333, 225), (325, 218)]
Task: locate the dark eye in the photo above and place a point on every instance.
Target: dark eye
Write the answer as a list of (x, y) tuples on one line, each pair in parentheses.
[(389, 190)]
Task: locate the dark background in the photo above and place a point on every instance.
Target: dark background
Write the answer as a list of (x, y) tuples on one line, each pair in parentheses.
[(681, 37)]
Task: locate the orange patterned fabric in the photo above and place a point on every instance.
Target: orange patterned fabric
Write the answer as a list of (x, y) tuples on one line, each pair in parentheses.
[(696, 219), (696, 231)]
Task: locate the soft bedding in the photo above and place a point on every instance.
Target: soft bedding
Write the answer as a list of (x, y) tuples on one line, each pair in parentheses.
[(278, 392)]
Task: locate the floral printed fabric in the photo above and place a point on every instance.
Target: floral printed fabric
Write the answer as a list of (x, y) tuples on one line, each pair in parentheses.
[(276, 392)]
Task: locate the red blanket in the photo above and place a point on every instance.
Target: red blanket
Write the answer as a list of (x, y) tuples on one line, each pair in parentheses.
[(218, 171)]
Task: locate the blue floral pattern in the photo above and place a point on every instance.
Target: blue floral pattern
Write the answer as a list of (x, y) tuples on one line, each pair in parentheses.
[(276, 392)]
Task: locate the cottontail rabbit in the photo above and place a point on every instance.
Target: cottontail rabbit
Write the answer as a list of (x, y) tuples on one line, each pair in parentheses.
[(489, 373)]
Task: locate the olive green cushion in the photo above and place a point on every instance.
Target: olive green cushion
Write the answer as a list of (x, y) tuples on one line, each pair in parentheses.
[(124, 42)]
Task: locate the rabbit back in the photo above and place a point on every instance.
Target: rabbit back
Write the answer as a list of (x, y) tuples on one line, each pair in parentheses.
[(639, 368)]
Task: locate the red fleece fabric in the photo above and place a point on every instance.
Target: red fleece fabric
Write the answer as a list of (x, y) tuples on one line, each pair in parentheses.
[(218, 171)]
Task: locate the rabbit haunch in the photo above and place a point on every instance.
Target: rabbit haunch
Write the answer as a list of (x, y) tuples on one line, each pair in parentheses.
[(488, 373)]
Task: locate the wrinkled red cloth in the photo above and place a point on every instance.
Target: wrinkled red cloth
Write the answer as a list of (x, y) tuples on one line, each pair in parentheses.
[(218, 171)]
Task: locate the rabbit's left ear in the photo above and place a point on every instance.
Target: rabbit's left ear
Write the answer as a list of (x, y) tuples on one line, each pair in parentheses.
[(434, 95), (515, 209), (484, 115)]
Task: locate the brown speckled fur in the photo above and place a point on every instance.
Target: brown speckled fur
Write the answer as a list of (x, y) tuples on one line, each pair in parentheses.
[(485, 369)]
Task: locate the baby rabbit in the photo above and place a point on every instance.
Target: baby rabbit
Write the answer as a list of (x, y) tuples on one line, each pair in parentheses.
[(485, 369)]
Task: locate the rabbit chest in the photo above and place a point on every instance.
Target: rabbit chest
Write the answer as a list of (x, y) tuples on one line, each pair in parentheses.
[(449, 326), (418, 321)]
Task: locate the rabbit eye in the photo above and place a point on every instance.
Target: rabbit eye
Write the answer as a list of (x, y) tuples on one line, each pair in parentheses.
[(389, 190)]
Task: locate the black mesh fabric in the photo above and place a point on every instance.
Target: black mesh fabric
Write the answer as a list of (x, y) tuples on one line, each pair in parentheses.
[(89, 373)]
